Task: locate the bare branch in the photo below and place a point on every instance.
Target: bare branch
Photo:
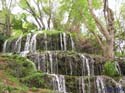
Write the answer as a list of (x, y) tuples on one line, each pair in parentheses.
[(33, 13), (100, 26)]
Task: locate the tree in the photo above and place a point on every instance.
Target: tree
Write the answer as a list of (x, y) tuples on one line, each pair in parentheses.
[(120, 33), (6, 11), (83, 12), (40, 9), (107, 31), (20, 23)]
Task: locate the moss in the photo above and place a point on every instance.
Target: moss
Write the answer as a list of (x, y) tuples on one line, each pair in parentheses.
[(34, 80), (19, 66)]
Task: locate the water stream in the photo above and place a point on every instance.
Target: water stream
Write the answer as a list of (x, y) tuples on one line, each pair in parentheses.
[(71, 73)]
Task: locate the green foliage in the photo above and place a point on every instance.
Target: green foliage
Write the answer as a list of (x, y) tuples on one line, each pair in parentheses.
[(27, 26), (17, 24), (23, 4), (120, 54), (19, 66), (11, 89), (2, 37), (34, 80), (110, 69)]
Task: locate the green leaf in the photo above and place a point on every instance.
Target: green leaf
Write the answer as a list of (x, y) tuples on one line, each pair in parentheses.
[(23, 4)]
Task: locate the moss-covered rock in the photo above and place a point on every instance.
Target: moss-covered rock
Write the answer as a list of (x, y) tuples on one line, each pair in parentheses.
[(67, 63), (18, 66)]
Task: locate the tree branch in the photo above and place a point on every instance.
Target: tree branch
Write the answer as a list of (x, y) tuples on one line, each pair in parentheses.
[(33, 13), (40, 18), (100, 26), (96, 36)]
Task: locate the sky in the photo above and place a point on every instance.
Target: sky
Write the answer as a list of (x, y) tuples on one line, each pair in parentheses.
[(113, 4)]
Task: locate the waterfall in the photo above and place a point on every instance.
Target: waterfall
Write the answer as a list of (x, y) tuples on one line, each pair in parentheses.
[(69, 71), (82, 85), (18, 45), (70, 65), (38, 60), (61, 41), (24, 53), (45, 38), (27, 43), (85, 62), (51, 62), (100, 85), (72, 42), (5, 46), (59, 83), (33, 43), (64, 41), (87, 65)]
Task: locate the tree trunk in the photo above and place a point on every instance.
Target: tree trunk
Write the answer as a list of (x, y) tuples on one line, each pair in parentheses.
[(107, 45), (108, 50)]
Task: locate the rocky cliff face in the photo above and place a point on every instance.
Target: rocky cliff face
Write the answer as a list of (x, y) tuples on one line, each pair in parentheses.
[(66, 68)]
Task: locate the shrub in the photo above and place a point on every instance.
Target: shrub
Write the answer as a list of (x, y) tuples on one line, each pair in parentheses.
[(19, 66), (110, 69), (34, 80)]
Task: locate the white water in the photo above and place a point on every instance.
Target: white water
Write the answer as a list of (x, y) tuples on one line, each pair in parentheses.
[(72, 42), (82, 85), (59, 83), (61, 41), (33, 43), (64, 41), (86, 62), (5, 46), (45, 37), (70, 65), (100, 85), (27, 43), (24, 53), (18, 45), (51, 62), (87, 65)]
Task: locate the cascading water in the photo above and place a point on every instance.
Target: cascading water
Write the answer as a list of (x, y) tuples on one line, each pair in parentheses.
[(59, 83), (61, 41), (70, 73), (27, 43), (64, 41), (33, 43), (100, 85), (72, 42), (85, 63), (82, 85), (51, 62), (18, 45), (70, 65), (5, 46), (26, 46), (45, 38)]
